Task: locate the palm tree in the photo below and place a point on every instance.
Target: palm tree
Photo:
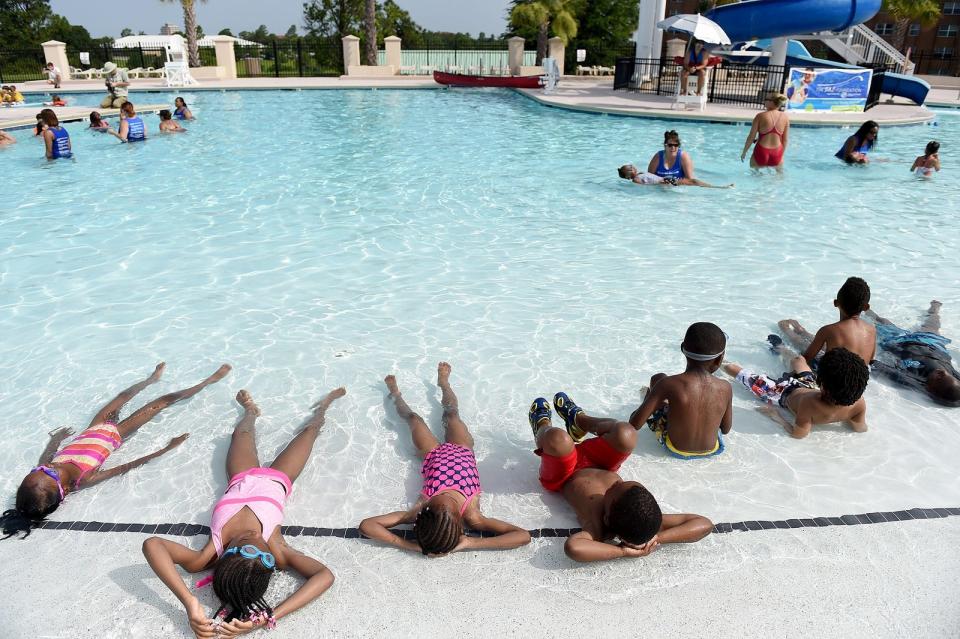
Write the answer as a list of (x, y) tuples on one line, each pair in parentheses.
[(546, 16), (903, 12), (190, 28), (370, 32)]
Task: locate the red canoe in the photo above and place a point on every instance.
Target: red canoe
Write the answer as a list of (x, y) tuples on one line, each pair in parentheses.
[(513, 82)]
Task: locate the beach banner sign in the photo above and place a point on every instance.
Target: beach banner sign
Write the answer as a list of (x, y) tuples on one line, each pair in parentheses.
[(828, 89)]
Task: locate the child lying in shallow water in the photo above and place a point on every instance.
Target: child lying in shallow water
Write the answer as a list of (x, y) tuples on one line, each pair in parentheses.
[(630, 172)]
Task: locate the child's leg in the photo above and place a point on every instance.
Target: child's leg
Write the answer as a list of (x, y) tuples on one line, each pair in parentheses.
[(797, 334), (148, 412), (876, 318), (731, 369), (294, 457), (455, 431), (423, 439), (620, 435), (111, 412), (243, 443), (931, 322), (797, 363)]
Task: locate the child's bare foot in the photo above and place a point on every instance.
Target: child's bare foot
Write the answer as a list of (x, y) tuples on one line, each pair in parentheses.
[(324, 403), (391, 382), (246, 400), (157, 372), (443, 373)]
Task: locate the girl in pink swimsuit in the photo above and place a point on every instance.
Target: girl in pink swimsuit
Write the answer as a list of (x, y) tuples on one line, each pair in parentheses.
[(450, 496), (245, 546), (65, 469)]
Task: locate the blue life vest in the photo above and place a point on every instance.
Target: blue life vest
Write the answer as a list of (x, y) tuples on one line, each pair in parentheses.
[(675, 171), (61, 143), (862, 147), (136, 131)]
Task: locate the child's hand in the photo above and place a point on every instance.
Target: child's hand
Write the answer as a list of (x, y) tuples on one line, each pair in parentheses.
[(630, 550), (201, 625), (236, 628), (60, 433), (176, 441)]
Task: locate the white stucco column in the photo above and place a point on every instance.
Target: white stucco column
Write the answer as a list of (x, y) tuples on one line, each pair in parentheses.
[(351, 53), (649, 37), (556, 50), (392, 47), (226, 58), (56, 52), (515, 54), (778, 57)]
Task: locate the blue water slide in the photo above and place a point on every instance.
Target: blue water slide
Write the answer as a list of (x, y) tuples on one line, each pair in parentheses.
[(767, 19)]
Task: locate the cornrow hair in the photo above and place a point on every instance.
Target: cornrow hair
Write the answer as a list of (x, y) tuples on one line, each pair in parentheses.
[(438, 532), (843, 375), (32, 506), (240, 584)]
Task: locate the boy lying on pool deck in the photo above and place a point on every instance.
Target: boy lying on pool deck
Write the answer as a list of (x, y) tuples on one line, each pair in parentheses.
[(685, 411), (919, 359), (607, 507), (834, 394), (851, 332)]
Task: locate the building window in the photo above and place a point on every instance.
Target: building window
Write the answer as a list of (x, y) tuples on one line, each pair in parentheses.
[(951, 8), (914, 30), (943, 52), (884, 28), (946, 31)]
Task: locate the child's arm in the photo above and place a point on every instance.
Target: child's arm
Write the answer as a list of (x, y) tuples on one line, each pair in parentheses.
[(378, 528), (799, 430), (816, 345), (163, 555), (583, 547), (858, 423), (726, 422), (56, 438), (681, 529), (101, 475), (507, 536), (917, 163), (655, 397), (319, 579)]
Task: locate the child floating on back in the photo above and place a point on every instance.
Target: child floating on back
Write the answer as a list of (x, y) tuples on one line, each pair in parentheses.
[(451, 487), (929, 163), (608, 508), (689, 411)]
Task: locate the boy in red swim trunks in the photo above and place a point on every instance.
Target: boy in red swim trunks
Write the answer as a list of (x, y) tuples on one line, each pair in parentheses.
[(607, 507)]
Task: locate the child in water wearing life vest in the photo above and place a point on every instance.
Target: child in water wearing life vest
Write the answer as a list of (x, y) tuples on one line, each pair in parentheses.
[(61, 471), (929, 163), (246, 547), (450, 497)]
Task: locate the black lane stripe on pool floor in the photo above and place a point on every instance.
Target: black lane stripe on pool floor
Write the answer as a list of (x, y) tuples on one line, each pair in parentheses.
[(189, 530)]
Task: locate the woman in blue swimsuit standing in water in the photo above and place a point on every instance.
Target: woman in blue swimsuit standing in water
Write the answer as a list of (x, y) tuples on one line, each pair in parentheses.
[(855, 149), (674, 165)]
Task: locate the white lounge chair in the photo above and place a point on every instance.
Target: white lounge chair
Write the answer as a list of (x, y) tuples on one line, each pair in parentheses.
[(136, 72)]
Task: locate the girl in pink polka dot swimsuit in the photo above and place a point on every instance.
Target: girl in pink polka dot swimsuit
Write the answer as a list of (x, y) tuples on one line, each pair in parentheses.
[(450, 497)]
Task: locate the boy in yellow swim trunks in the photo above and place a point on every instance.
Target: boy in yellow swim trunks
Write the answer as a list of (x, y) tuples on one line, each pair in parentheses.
[(687, 410)]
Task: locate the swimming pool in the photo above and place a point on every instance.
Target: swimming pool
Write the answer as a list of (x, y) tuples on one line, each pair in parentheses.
[(324, 238)]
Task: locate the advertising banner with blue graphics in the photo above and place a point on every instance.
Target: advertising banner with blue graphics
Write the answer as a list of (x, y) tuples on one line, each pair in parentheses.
[(828, 89)]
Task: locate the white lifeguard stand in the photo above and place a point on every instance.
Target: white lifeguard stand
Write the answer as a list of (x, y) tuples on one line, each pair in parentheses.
[(177, 69)]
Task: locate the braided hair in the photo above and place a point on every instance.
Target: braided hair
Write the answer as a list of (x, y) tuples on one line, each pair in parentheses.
[(438, 531), (240, 584), (34, 502), (843, 375)]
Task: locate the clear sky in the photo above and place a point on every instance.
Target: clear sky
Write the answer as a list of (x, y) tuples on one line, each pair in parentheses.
[(109, 17)]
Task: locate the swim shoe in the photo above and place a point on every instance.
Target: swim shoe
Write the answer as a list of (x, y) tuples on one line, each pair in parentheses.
[(775, 343), (539, 410), (569, 411)]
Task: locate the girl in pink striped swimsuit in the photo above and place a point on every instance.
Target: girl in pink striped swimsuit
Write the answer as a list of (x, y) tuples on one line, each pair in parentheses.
[(77, 465), (245, 546), (450, 496)]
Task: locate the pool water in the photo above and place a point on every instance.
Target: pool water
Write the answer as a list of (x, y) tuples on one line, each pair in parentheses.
[(322, 238)]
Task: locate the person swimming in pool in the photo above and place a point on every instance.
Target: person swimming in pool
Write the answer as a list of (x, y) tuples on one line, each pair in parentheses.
[(97, 123), (608, 508), (918, 359), (929, 163), (769, 134), (132, 127), (673, 164), (6, 139), (181, 111), (56, 140), (246, 547), (167, 125), (858, 145), (833, 394), (62, 471), (450, 496)]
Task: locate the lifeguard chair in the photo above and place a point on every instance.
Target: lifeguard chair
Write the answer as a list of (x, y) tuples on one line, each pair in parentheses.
[(176, 69)]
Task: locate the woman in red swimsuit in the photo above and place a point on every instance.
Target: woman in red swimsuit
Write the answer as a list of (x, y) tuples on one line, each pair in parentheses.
[(769, 132)]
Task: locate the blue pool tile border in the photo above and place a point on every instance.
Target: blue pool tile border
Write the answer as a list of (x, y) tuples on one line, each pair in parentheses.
[(190, 530)]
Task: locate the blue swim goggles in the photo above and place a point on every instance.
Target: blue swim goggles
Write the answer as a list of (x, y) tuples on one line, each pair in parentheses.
[(252, 552)]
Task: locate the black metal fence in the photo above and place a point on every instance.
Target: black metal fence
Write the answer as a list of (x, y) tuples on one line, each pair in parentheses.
[(290, 57), (21, 65), (132, 58), (727, 83), (928, 63)]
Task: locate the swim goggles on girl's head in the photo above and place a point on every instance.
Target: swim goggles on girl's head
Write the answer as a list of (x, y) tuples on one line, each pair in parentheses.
[(252, 552), (52, 474)]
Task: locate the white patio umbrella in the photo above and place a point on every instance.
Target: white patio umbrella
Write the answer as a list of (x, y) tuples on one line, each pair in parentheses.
[(694, 24)]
